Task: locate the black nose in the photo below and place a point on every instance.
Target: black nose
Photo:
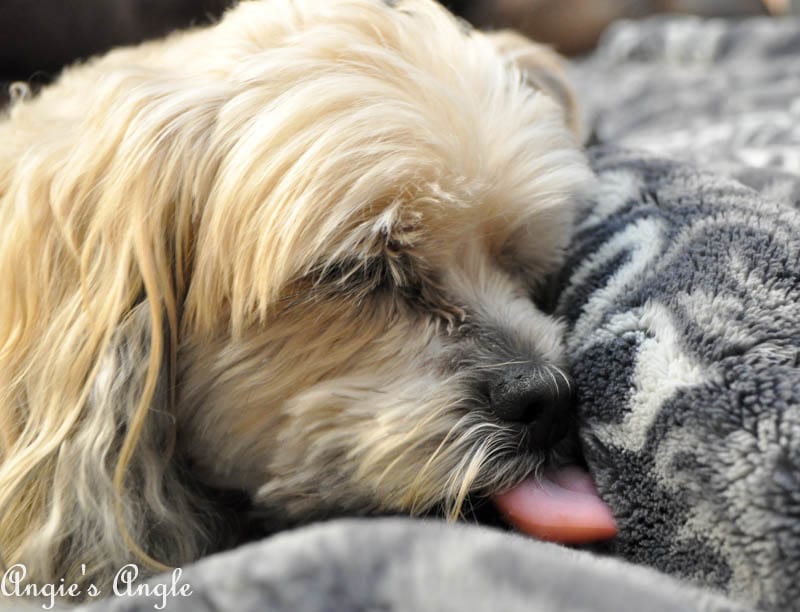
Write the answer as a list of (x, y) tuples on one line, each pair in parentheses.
[(540, 397)]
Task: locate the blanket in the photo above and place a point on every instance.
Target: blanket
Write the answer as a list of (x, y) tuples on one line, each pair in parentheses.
[(721, 95), (681, 294), (397, 565)]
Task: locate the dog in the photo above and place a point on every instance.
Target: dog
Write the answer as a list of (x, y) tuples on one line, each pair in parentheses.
[(290, 255)]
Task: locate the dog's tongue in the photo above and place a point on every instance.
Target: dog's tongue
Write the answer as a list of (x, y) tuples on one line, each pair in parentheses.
[(561, 506)]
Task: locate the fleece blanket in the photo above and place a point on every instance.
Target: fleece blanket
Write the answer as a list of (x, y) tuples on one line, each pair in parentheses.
[(683, 299), (397, 565), (720, 95), (681, 292)]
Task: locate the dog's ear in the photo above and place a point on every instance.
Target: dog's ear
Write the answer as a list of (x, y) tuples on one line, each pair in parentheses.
[(160, 513), (97, 483), (544, 69)]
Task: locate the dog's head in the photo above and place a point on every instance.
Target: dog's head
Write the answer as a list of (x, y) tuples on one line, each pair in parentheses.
[(295, 251), (360, 332)]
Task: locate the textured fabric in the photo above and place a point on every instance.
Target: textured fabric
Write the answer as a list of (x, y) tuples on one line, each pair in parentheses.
[(682, 292), (682, 300), (723, 95), (396, 565)]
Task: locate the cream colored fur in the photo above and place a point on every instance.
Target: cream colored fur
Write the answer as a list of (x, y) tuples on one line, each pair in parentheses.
[(260, 256)]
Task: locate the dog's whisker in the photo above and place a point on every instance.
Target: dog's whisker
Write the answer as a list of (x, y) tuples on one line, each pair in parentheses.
[(470, 474), (565, 377), (555, 384), (421, 425), (407, 450), (456, 431), (501, 365), (415, 486)]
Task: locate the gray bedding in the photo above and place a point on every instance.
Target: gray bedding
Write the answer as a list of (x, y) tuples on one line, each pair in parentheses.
[(681, 293), (683, 297), (723, 96), (411, 566)]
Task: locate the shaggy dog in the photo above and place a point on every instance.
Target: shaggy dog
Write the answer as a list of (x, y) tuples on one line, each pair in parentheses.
[(289, 255)]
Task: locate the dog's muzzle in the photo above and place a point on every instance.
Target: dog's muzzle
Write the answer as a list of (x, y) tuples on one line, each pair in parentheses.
[(539, 397), (560, 502)]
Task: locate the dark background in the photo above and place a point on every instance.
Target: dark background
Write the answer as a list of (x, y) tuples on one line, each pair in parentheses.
[(39, 37)]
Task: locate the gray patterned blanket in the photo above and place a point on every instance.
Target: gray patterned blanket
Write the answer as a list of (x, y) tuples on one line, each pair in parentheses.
[(683, 297), (682, 294), (721, 95)]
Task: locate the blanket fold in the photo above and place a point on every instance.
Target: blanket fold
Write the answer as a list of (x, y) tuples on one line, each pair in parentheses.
[(398, 565)]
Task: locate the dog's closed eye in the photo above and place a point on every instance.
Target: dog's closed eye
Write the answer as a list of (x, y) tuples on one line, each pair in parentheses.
[(395, 276), (352, 275)]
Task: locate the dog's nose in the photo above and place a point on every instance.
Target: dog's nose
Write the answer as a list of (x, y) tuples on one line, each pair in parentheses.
[(539, 397)]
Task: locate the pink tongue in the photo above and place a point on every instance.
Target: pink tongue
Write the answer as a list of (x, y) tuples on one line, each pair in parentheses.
[(562, 506)]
